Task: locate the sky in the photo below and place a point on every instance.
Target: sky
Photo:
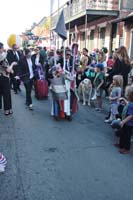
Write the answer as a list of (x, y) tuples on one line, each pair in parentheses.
[(18, 15), (55, 3)]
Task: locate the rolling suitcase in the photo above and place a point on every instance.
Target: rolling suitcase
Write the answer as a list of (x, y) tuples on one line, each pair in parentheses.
[(41, 89)]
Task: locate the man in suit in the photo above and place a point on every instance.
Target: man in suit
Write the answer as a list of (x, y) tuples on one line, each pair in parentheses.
[(13, 55), (37, 58), (27, 74)]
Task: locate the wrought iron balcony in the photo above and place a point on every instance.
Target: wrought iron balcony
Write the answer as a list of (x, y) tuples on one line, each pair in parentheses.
[(79, 8), (102, 4)]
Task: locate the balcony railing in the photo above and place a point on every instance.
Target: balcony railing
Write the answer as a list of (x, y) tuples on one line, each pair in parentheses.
[(102, 4), (79, 7)]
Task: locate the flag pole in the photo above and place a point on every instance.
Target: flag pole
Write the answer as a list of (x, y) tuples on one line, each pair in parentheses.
[(50, 22), (61, 31), (64, 56)]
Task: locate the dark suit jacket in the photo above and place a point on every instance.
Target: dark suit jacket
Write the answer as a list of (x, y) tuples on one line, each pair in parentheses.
[(11, 57), (120, 68), (70, 64), (41, 60), (24, 69)]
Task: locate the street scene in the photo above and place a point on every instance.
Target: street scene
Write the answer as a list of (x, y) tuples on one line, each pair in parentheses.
[(66, 100), (61, 160)]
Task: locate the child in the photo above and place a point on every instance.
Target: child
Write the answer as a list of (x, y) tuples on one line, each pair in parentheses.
[(98, 83), (102, 59), (110, 62), (114, 97), (127, 123)]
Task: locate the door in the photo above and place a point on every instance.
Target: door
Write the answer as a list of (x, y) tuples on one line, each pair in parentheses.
[(102, 37), (91, 46), (131, 46)]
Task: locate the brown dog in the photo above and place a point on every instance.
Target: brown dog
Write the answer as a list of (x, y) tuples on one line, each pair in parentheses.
[(85, 91)]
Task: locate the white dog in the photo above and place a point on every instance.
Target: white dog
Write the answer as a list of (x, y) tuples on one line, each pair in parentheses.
[(85, 91)]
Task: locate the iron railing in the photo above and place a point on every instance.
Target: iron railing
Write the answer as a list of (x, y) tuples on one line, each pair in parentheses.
[(80, 6)]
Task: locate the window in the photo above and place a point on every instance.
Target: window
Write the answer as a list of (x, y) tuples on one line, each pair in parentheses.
[(83, 40), (102, 37)]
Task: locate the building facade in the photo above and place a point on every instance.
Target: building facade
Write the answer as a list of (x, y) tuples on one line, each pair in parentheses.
[(128, 30), (94, 23)]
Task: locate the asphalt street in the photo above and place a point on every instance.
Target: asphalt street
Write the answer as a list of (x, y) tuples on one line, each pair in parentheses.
[(50, 160)]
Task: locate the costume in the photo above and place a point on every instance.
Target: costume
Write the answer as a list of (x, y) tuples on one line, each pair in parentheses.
[(63, 98)]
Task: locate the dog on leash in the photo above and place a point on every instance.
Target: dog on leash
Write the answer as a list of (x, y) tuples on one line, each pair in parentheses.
[(85, 91)]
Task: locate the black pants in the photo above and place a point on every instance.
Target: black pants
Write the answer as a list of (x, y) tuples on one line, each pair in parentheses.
[(5, 93), (125, 137), (16, 84), (0, 100), (28, 87), (79, 78)]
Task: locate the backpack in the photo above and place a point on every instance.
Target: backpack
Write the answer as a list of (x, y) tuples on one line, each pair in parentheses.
[(89, 73)]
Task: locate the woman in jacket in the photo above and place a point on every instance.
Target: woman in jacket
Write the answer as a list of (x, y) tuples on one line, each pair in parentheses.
[(5, 92), (121, 65)]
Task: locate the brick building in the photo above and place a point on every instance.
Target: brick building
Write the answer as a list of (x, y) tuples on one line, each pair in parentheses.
[(95, 23), (128, 31)]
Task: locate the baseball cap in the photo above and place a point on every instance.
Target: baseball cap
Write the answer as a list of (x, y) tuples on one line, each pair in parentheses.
[(100, 66)]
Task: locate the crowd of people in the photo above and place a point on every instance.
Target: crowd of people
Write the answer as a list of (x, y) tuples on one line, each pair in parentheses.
[(64, 70)]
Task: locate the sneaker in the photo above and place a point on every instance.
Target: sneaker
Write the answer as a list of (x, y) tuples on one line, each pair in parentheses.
[(98, 109), (69, 118), (107, 120), (124, 151), (93, 98), (30, 107)]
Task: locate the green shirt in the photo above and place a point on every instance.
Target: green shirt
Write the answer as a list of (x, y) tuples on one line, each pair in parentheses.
[(99, 78)]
